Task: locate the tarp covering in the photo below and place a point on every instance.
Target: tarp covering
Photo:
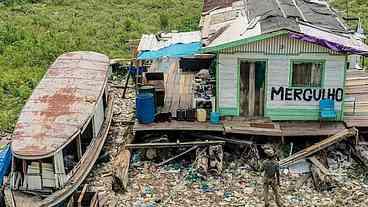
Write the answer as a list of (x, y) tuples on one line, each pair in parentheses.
[(176, 50), (334, 42)]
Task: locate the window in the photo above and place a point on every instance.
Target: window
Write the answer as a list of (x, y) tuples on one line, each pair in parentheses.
[(307, 74)]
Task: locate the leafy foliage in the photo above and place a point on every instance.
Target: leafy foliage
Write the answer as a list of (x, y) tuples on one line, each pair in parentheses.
[(353, 8), (34, 32)]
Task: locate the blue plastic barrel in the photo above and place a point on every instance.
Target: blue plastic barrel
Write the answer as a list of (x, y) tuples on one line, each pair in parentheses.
[(145, 106), (149, 89), (215, 118)]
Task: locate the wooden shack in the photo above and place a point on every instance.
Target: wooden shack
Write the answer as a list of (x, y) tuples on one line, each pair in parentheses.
[(278, 60), (274, 63)]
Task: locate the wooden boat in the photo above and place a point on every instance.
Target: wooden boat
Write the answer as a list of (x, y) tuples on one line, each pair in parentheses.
[(61, 131)]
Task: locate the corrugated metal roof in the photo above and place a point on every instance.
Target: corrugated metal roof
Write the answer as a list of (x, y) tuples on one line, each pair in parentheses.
[(216, 4), (258, 17), (61, 104), (153, 42), (236, 31)]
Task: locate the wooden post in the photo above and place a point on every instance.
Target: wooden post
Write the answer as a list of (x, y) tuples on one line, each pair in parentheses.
[(126, 83), (252, 87), (121, 167), (79, 147), (80, 199)]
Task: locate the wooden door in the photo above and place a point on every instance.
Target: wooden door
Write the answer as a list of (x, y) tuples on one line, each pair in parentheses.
[(252, 88)]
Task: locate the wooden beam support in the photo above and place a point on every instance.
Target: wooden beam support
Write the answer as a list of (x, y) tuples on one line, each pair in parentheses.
[(173, 145), (347, 133), (94, 200), (177, 156), (79, 147), (318, 164)]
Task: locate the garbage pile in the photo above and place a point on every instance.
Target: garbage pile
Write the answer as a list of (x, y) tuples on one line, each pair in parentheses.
[(180, 184)]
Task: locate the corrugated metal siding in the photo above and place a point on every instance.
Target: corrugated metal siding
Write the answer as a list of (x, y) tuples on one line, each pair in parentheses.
[(282, 45)]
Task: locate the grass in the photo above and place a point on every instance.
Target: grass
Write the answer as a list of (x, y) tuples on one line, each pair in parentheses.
[(33, 33)]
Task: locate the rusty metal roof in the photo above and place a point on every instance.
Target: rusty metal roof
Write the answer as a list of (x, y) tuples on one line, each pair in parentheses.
[(61, 104), (216, 4)]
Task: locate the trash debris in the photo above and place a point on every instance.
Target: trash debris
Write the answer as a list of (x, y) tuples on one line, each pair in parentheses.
[(180, 182)]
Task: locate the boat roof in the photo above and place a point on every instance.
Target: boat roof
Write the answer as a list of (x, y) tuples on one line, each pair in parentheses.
[(61, 104)]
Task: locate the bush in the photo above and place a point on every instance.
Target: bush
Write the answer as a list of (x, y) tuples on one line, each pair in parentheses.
[(33, 33)]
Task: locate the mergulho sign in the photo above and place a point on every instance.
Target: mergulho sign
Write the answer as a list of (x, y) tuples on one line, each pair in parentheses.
[(306, 94)]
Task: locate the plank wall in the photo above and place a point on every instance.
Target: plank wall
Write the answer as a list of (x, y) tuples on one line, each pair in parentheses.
[(278, 74)]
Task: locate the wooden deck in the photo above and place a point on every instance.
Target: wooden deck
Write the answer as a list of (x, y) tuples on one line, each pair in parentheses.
[(356, 99), (272, 129), (178, 126)]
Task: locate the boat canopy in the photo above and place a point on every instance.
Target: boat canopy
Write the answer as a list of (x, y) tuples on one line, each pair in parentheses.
[(61, 104)]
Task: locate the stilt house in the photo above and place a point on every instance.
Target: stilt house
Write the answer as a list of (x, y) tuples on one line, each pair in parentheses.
[(273, 62), (278, 58)]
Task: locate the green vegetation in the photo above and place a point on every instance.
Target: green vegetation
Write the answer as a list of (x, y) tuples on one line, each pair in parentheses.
[(353, 8), (33, 33)]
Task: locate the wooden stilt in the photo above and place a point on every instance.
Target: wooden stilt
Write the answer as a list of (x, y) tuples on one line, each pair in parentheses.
[(79, 147), (80, 199), (126, 83)]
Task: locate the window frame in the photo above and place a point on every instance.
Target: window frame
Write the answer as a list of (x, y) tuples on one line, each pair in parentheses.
[(291, 70)]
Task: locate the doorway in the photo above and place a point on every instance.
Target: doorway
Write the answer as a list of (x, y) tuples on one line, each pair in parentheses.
[(252, 88)]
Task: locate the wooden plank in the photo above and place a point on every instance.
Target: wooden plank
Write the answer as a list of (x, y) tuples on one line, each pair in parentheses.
[(94, 201), (9, 198), (81, 196), (298, 129), (177, 156), (178, 126), (253, 131), (121, 167), (318, 146), (318, 164), (252, 88), (173, 145), (79, 147)]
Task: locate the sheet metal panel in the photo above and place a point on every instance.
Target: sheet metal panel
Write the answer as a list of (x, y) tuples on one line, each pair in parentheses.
[(216, 4), (61, 104), (278, 45)]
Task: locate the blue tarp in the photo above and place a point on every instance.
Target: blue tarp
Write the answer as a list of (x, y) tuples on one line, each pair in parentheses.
[(176, 50), (5, 161)]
